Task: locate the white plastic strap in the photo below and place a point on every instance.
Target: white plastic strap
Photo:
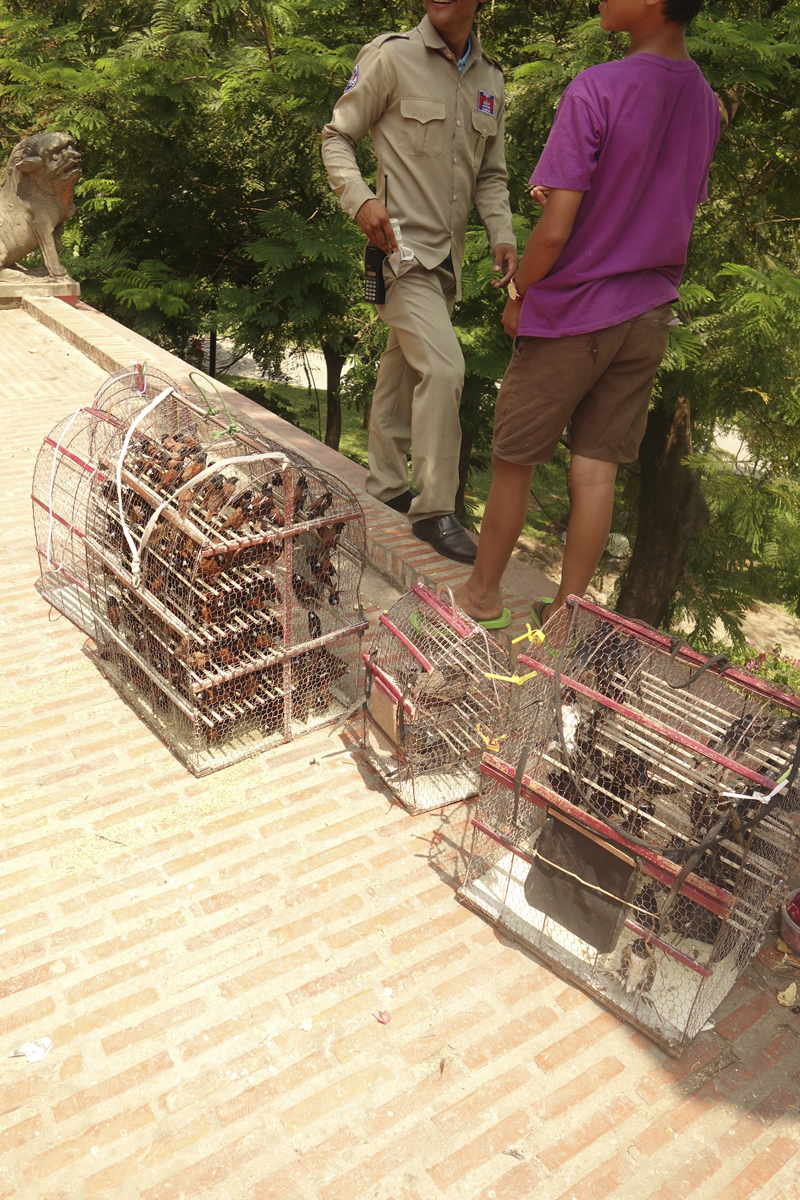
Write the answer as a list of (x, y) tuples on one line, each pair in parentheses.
[(121, 458)]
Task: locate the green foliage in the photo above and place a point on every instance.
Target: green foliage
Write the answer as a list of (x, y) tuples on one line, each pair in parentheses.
[(204, 204), (776, 667)]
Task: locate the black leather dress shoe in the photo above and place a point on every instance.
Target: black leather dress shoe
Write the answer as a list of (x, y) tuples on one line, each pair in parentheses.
[(447, 536), (402, 503)]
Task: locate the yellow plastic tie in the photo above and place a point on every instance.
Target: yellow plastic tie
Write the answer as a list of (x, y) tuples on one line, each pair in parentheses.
[(492, 743), (532, 635), (511, 678)]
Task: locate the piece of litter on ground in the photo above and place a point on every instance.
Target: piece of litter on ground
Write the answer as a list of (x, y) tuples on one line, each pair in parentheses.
[(33, 1051), (387, 991), (382, 1016), (306, 1025), (788, 997), (514, 1154), (709, 1025)]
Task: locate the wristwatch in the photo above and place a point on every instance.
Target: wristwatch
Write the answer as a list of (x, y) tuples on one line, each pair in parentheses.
[(513, 291)]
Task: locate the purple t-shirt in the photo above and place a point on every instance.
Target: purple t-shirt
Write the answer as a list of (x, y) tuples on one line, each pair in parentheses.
[(636, 136)]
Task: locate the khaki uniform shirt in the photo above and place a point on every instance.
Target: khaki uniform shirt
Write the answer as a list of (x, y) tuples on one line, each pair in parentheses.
[(438, 136)]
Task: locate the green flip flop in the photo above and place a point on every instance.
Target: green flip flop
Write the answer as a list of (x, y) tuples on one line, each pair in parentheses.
[(536, 614), (501, 622)]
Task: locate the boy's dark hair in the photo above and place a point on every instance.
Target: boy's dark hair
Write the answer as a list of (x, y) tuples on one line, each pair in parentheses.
[(682, 12)]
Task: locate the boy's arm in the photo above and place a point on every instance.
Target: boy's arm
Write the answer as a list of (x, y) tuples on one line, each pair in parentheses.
[(545, 244)]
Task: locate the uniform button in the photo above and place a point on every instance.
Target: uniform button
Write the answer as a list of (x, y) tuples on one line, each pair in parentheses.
[(458, 123), (455, 160)]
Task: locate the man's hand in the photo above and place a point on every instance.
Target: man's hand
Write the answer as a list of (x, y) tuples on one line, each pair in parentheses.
[(511, 317), (373, 220), (505, 260), (539, 195)]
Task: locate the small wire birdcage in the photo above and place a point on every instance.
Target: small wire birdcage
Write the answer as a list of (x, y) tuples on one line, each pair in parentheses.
[(217, 571), (637, 828), (437, 685)]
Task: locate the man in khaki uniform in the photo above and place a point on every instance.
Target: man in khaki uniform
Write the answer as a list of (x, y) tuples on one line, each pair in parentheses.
[(434, 105)]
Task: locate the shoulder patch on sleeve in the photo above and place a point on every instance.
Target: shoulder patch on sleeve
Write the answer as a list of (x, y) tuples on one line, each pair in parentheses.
[(493, 61), (352, 81), (389, 37)]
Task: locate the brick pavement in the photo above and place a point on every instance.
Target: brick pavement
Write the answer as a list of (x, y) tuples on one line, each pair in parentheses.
[(208, 956)]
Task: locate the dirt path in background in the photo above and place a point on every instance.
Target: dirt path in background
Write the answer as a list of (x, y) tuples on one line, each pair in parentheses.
[(764, 627)]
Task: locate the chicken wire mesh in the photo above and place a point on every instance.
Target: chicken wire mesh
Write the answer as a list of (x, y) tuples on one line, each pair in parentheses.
[(437, 687), (64, 470), (636, 848), (217, 571)]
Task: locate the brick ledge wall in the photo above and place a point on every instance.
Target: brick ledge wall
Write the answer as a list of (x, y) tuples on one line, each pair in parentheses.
[(392, 548)]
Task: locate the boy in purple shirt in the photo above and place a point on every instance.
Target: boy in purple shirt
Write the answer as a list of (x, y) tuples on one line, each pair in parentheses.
[(624, 168)]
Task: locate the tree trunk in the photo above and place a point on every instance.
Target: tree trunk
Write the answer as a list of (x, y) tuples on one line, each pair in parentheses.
[(463, 472), (672, 512), (334, 363)]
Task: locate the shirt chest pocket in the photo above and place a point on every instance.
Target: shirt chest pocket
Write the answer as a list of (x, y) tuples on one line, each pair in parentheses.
[(484, 126), (421, 127)]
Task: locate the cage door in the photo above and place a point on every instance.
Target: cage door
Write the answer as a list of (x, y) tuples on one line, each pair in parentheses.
[(582, 882)]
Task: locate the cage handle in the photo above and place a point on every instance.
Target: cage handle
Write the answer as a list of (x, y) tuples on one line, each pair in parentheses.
[(168, 391), (206, 473)]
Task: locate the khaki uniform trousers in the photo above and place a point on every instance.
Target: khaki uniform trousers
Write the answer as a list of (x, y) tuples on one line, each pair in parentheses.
[(417, 394)]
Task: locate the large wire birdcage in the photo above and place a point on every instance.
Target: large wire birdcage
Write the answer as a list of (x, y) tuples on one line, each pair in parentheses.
[(437, 687), (217, 571), (637, 827)]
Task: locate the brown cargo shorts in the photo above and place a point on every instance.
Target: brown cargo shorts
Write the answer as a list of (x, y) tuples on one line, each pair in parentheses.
[(598, 384)]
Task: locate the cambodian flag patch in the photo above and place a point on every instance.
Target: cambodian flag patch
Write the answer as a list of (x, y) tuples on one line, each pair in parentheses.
[(353, 80), (486, 103)]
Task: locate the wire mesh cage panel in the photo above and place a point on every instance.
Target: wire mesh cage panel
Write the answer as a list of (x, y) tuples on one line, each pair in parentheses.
[(222, 573), (632, 830), (65, 466), (437, 688)]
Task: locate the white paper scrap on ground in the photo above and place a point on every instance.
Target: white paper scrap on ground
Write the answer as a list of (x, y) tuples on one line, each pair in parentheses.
[(33, 1051)]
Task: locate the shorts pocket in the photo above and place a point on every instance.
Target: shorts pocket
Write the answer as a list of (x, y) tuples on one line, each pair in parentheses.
[(421, 127), (483, 126)]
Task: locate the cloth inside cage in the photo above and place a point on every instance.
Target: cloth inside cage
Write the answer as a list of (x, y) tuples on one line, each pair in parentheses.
[(582, 882)]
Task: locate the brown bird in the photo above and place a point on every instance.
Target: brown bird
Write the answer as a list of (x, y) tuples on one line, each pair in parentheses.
[(304, 590), (194, 495), (156, 468), (112, 606), (323, 571), (241, 512), (329, 538), (214, 565), (270, 552), (228, 489), (299, 495), (263, 506), (269, 633), (314, 626), (320, 507), (193, 466), (171, 472), (214, 497)]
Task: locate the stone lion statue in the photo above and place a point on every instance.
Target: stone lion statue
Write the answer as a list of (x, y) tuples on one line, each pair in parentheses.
[(36, 198)]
